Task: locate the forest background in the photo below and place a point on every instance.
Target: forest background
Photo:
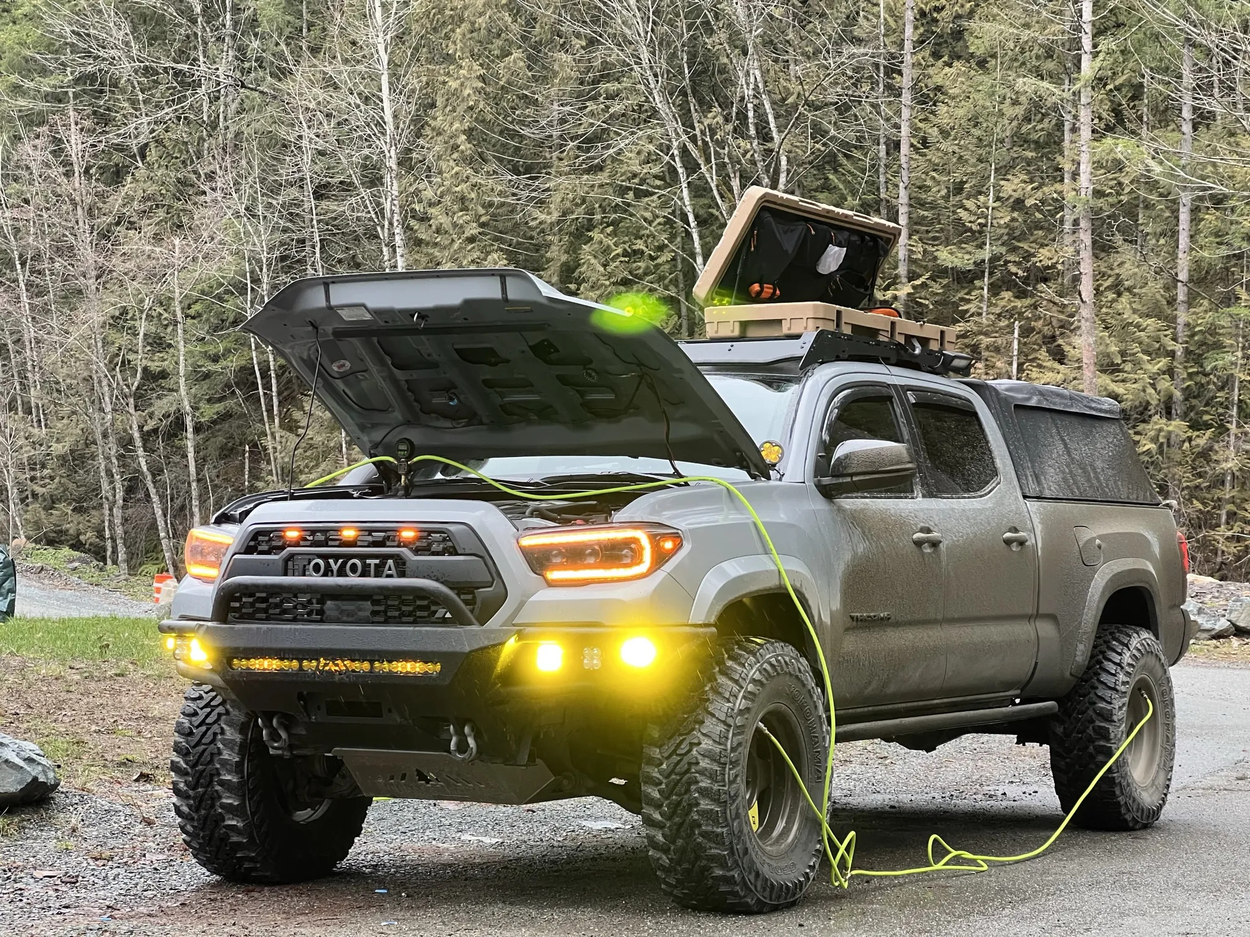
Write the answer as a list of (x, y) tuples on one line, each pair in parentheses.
[(1073, 178)]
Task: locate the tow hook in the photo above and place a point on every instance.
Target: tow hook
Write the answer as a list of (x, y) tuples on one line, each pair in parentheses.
[(464, 741), (276, 731)]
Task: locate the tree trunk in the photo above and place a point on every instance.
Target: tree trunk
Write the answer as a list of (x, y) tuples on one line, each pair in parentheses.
[(1088, 315), (201, 51), (1015, 350), (1230, 468), (25, 311), (1069, 199), (1143, 177), (904, 158), (883, 193), (97, 421), (390, 142), (989, 209), (1183, 218), (163, 532), (188, 414), (225, 72), (270, 445), (85, 236)]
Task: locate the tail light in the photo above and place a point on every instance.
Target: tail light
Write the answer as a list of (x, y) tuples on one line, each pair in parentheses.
[(1183, 544), (205, 549)]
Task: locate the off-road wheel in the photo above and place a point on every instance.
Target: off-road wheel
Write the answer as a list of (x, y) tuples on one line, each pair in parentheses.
[(728, 827), (1126, 667), (236, 804)]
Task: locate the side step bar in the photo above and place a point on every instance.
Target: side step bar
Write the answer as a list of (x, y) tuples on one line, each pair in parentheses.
[(936, 722)]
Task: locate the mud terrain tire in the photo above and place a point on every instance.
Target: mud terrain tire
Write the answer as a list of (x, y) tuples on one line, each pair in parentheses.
[(728, 828), (232, 809), (1093, 721)]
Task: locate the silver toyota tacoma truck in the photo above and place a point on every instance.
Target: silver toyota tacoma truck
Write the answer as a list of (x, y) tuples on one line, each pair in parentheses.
[(974, 556)]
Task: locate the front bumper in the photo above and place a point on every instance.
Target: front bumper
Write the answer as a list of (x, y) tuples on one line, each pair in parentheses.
[(400, 686)]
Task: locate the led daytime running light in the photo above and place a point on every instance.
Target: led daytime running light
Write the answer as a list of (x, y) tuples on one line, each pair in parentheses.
[(648, 556), (205, 549)]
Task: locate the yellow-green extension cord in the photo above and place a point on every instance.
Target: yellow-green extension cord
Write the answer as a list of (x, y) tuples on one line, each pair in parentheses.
[(841, 859)]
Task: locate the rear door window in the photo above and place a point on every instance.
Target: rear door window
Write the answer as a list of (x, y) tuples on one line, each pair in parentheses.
[(955, 454)]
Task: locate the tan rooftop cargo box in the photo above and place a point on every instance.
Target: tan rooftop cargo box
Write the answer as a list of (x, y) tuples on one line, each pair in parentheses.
[(786, 265)]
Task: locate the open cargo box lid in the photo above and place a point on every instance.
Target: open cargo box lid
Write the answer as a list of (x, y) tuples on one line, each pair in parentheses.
[(780, 240), (787, 265)]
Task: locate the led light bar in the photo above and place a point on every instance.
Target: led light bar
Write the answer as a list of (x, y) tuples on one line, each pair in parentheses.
[(413, 668)]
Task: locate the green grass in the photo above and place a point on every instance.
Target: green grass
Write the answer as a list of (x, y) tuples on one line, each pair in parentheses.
[(70, 639)]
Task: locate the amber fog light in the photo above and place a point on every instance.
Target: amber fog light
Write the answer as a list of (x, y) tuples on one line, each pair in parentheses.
[(638, 652), (549, 657)]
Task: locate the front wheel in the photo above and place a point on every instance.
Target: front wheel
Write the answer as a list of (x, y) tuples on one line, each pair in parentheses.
[(238, 806), (728, 825), (1126, 669)]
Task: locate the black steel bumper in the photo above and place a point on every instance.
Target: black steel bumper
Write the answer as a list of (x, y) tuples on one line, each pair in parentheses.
[(485, 674)]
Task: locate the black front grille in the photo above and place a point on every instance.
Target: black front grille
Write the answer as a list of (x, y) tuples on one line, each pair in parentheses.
[(277, 606), (311, 609), (268, 541)]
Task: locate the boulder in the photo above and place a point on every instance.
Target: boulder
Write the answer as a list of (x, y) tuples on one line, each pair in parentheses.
[(26, 775), (1239, 613), (1210, 625), (79, 560)]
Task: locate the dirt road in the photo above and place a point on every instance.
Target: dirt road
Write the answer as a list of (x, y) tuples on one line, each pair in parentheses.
[(55, 595), (87, 864)]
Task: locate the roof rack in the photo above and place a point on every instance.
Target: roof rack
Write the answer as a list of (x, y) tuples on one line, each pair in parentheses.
[(822, 346), (826, 346)]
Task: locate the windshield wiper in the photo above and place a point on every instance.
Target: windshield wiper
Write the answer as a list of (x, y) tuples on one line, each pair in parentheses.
[(624, 478)]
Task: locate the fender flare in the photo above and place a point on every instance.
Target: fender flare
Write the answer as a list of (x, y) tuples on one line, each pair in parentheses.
[(1111, 578), (745, 576)]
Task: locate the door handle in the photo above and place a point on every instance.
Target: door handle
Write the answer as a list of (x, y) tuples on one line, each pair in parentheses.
[(927, 539), (1015, 539)]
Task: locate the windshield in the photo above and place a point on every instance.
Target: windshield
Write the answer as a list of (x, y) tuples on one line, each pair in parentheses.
[(760, 402)]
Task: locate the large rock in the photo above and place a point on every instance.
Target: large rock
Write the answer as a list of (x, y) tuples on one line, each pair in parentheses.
[(1210, 625), (26, 775), (1239, 613)]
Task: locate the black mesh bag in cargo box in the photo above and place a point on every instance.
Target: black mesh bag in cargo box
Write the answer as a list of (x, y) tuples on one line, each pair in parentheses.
[(789, 259)]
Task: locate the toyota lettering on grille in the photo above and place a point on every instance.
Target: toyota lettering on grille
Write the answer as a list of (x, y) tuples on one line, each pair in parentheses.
[(375, 567)]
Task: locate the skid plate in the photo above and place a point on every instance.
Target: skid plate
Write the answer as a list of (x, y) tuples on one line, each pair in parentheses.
[(441, 776)]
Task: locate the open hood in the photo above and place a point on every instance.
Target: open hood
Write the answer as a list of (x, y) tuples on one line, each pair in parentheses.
[(473, 364)]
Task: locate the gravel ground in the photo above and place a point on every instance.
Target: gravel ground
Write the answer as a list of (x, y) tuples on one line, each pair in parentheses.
[(49, 594), (85, 864)]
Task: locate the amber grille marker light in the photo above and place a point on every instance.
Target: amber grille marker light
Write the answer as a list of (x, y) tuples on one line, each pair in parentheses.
[(407, 534), (293, 533), (349, 533)]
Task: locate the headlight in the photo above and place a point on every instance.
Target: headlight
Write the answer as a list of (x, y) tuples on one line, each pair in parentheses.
[(581, 555), (206, 548)]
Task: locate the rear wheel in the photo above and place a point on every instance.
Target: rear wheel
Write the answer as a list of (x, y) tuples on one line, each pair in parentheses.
[(728, 825), (1126, 669), (240, 809)]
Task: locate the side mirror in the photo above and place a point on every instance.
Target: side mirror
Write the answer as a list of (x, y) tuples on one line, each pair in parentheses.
[(866, 465)]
